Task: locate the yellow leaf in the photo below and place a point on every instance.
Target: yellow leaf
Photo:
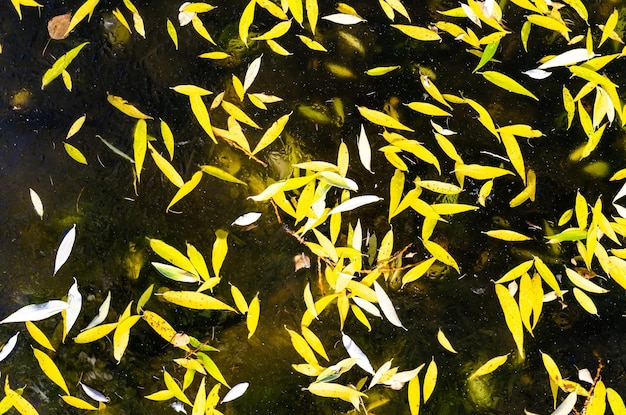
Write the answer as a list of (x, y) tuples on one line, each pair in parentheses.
[(417, 32), (128, 109), (312, 44), (166, 168), (516, 272), (277, 48), (78, 403), (443, 340), (382, 119), (168, 138), (162, 395), (95, 333), (140, 145), (547, 275), (430, 379), (526, 301), (254, 312), (512, 317), (335, 390), (122, 335), (239, 299), (186, 188), (171, 31), (320, 305), (272, 133), (50, 369), (163, 329), (39, 336), (201, 113), (172, 255), (515, 154), (22, 405), (247, 17), (200, 29), (554, 374), (480, 172), (75, 153), (414, 395), (302, 347), (583, 283), (238, 114), (199, 404), (312, 13), (360, 315), (314, 342), (483, 116), (441, 254), (76, 126), (585, 301), (195, 300), (484, 192), (549, 23), (439, 187), (615, 401), (189, 90), (221, 174), (173, 387), (490, 366), (417, 271), (592, 76), (214, 55), (507, 83), (609, 26), (85, 9), (381, 70), (428, 109), (238, 87), (220, 248), (507, 235), (275, 32), (432, 90)]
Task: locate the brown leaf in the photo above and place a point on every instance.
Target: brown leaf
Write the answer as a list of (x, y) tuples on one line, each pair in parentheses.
[(57, 26)]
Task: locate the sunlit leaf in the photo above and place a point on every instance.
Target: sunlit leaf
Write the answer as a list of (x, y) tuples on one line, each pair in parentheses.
[(441, 254), (121, 335), (173, 387), (507, 83), (201, 113), (512, 317), (252, 318), (65, 248), (8, 347), (355, 352), (166, 168), (76, 126), (430, 379), (272, 133), (75, 153), (335, 390), (428, 109), (140, 145), (312, 44), (186, 188), (480, 172), (235, 392), (417, 32), (414, 395), (50, 369), (163, 328), (381, 70), (382, 119), (95, 333), (78, 403), (487, 54), (21, 404), (443, 340), (37, 203), (585, 301), (387, 306), (489, 366), (507, 235), (74, 305), (128, 109), (195, 300)]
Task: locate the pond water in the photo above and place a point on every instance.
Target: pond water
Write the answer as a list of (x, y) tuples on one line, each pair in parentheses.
[(115, 214)]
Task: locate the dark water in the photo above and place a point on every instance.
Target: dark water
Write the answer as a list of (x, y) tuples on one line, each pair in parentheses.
[(113, 221)]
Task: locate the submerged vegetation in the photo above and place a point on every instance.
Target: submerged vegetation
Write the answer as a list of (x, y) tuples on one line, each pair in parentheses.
[(356, 207)]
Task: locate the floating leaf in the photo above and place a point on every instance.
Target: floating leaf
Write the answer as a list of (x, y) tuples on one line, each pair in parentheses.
[(61, 64), (95, 333), (387, 306), (443, 340), (128, 109), (37, 203), (334, 390), (428, 109), (122, 336), (74, 305), (38, 336), (507, 83), (247, 219), (507, 235), (272, 133), (382, 70), (196, 300), (490, 366), (9, 346), (140, 145), (417, 32), (344, 18), (235, 392), (75, 153), (382, 119), (186, 188), (512, 317), (312, 44), (21, 405), (567, 58), (76, 126), (50, 369), (585, 301), (94, 394), (166, 168), (354, 203), (355, 352), (65, 248), (172, 255), (414, 395), (175, 273), (430, 379), (78, 403)]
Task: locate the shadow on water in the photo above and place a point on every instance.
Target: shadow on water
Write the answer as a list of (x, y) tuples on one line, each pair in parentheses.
[(113, 221)]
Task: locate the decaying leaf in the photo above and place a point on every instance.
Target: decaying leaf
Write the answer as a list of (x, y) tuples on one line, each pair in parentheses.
[(57, 26)]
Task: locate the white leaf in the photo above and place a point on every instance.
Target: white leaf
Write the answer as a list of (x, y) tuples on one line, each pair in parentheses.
[(470, 14), (236, 391), (343, 18), (441, 130), (247, 219), (621, 193), (65, 248), (8, 347), (537, 73), (184, 18), (568, 58), (36, 312), (513, 288), (357, 236), (103, 311), (365, 151), (404, 377), (379, 373), (354, 203), (356, 353), (367, 306), (387, 306), (94, 394), (567, 405), (37, 204), (621, 210), (585, 376), (74, 304), (252, 72)]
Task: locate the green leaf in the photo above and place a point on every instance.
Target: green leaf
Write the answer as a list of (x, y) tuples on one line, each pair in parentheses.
[(59, 66)]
